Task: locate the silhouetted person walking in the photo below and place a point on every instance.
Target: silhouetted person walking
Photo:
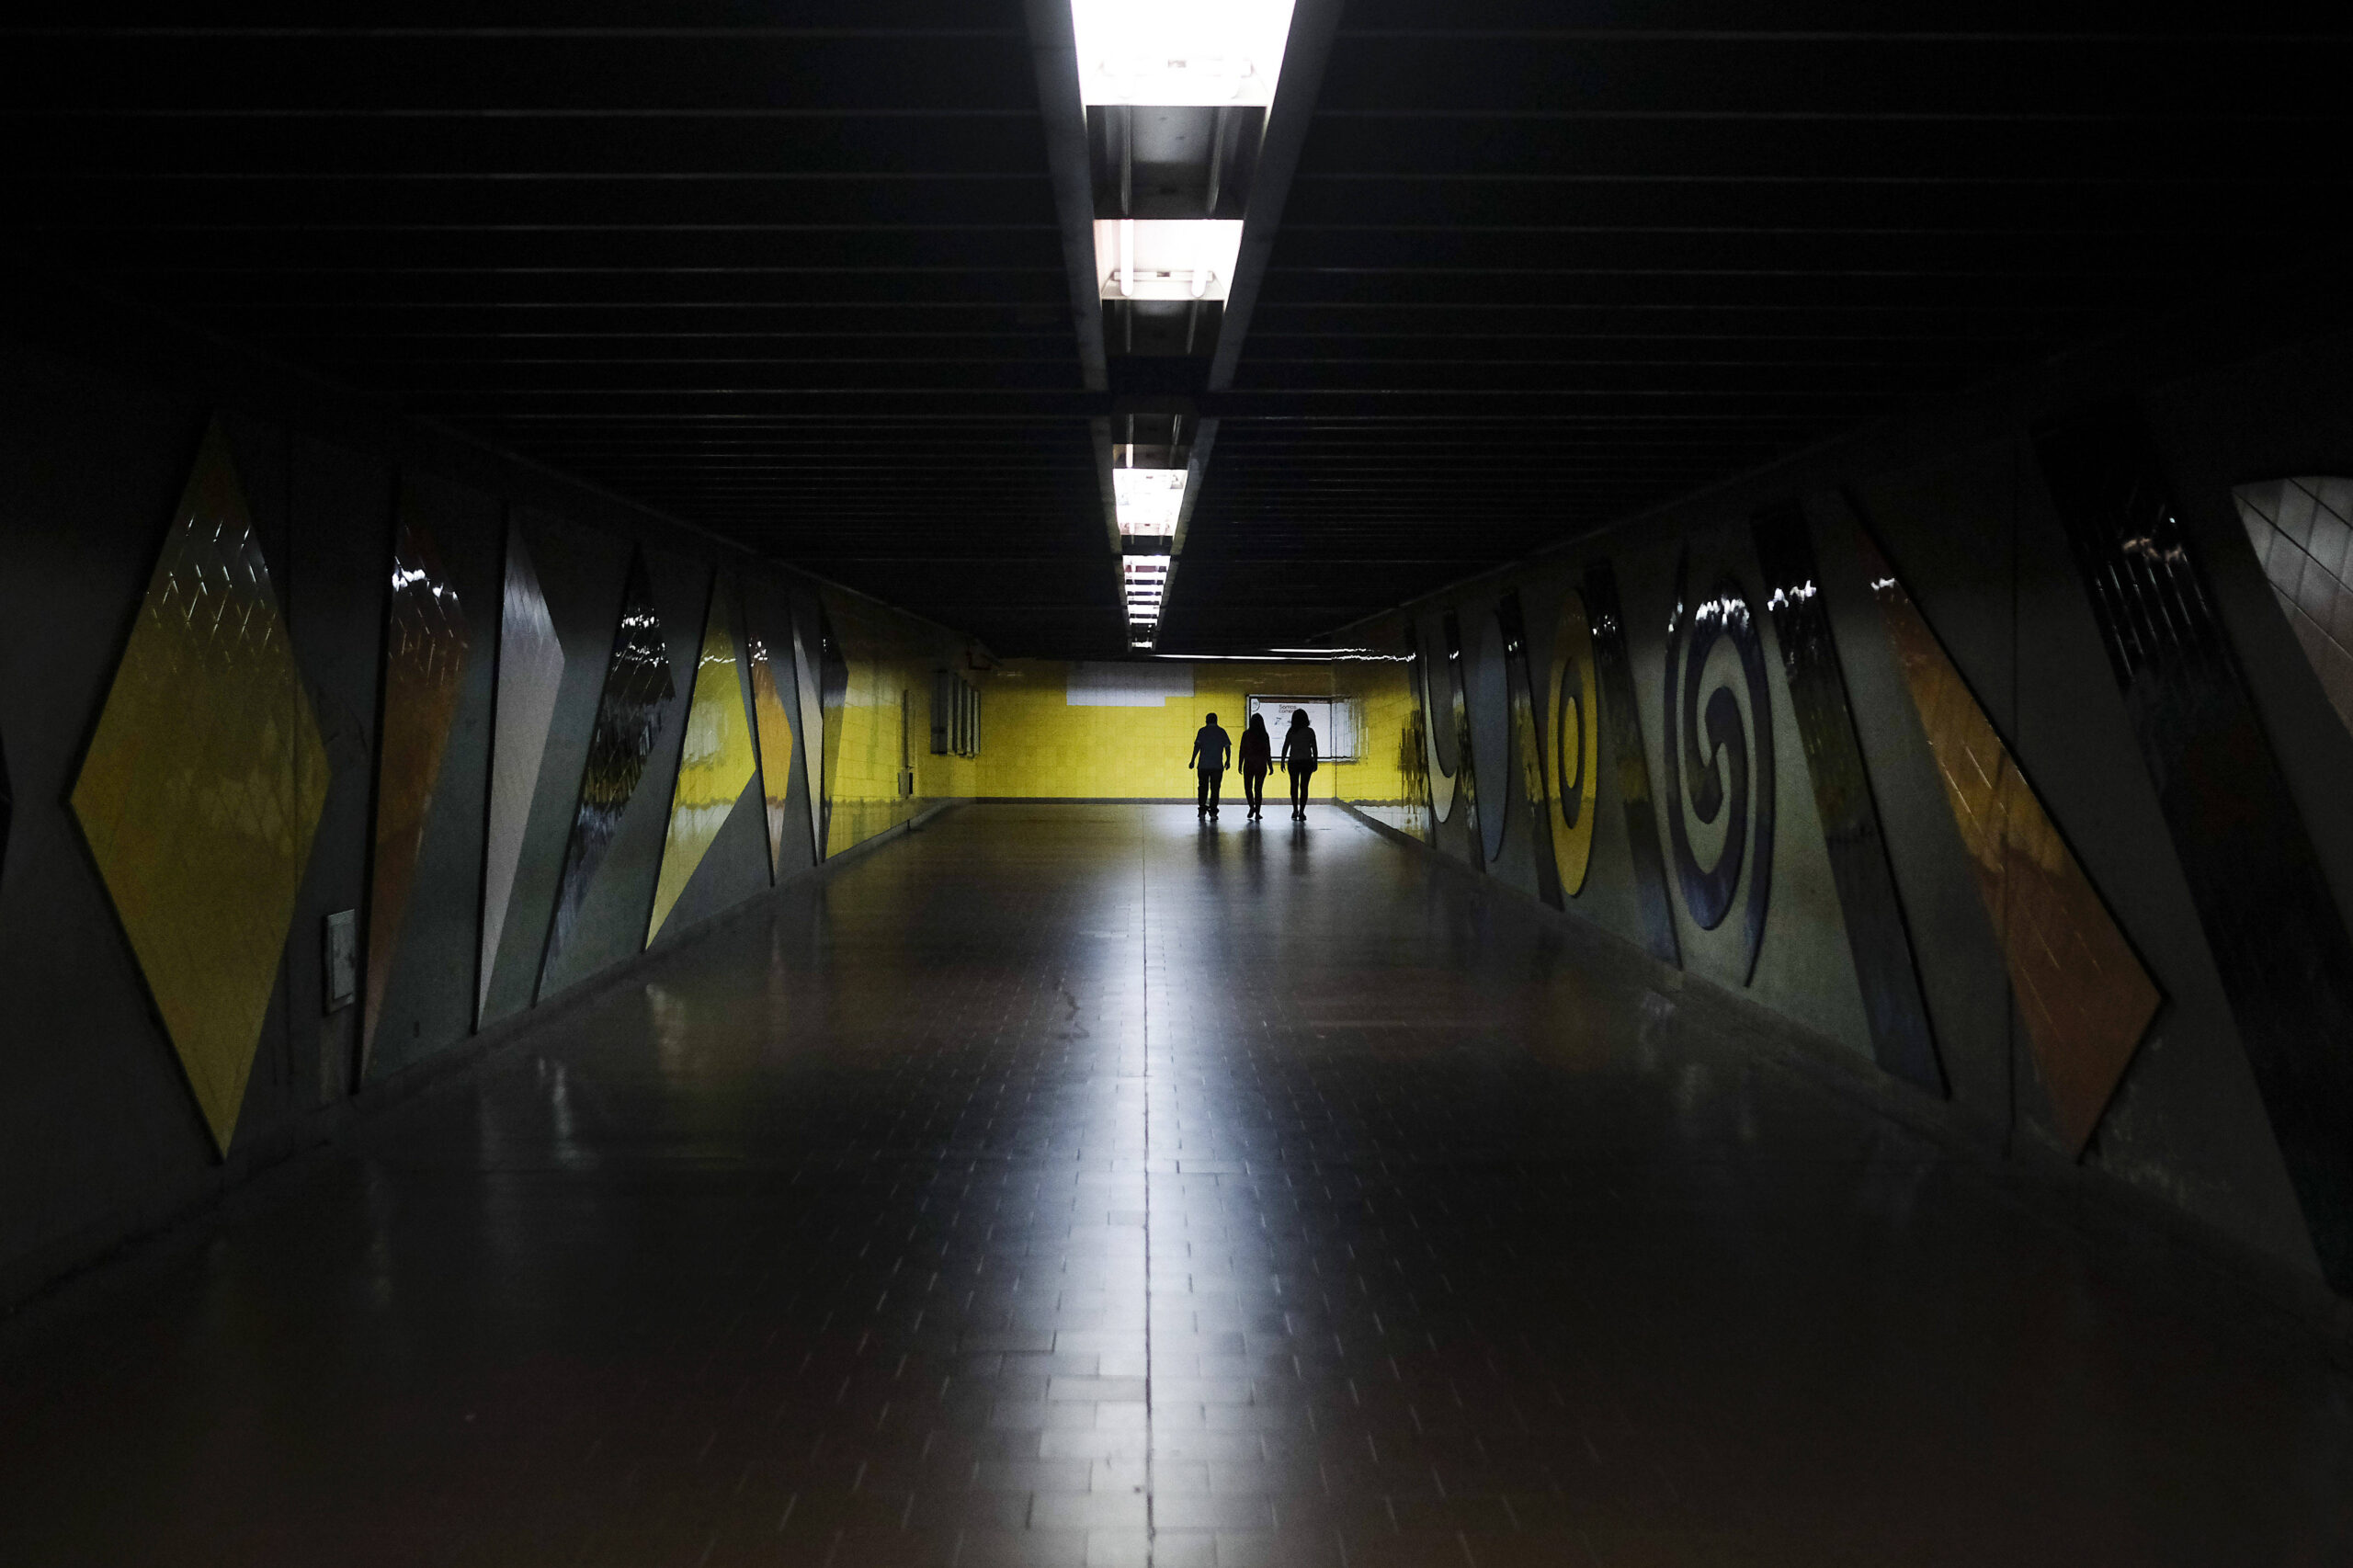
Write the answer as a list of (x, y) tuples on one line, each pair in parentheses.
[(1211, 747), (1298, 756), (1256, 761)]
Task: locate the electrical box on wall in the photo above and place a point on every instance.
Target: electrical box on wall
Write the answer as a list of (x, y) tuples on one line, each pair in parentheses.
[(955, 715), (340, 953)]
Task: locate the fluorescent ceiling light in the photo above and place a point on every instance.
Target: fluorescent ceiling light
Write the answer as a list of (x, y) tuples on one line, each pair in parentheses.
[(1167, 258), (1179, 51), (1148, 498)]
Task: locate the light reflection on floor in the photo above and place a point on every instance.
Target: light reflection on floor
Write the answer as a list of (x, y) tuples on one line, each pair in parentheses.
[(1080, 1185)]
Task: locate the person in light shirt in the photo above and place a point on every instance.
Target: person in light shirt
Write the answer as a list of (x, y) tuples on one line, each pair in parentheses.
[(1211, 747)]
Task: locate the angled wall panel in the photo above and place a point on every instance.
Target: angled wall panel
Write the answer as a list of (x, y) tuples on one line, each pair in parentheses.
[(1614, 670), (1720, 760), (1571, 744), (773, 728), (2083, 993), (2269, 918), (2302, 534), (1429, 675), (426, 642), (1902, 1041), (1530, 794), (638, 686), (531, 674), (1486, 692), (807, 656), (202, 788), (717, 761)]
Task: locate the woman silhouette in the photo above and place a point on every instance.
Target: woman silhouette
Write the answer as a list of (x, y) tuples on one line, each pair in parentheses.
[(1298, 756), (1257, 760)]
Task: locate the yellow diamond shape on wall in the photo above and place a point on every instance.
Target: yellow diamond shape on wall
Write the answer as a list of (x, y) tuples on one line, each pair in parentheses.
[(203, 787)]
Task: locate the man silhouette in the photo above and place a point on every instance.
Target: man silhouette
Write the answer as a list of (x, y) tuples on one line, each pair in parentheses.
[(1212, 746)]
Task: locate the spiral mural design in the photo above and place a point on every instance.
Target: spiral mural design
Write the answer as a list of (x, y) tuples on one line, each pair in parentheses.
[(1576, 744), (1731, 777)]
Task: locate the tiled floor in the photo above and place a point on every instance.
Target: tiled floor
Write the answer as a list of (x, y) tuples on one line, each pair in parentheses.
[(1069, 1184)]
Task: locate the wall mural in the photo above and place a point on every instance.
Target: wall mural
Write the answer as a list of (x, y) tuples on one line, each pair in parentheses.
[(203, 787), (531, 674), (1486, 703), (807, 660), (2273, 926), (425, 642), (716, 764), (1615, 674), (2082, 992), (773, 731), (1734, 773), (629, 721), (1453, 723), (1528, 746), (1902, 1041), (1573, 754), (833, 690), (2302, 534), (1429, 674)]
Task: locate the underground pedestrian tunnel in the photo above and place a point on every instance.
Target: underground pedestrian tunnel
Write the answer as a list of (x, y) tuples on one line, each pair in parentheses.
[(610, 949)]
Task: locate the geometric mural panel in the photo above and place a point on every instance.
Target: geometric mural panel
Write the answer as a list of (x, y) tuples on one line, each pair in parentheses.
[(2081, 989), (2270, 919), (628, 722), (1574, 714), (2302, 533), (1527, 745), (1614, 673), (776, 748), (1458, 727), (1715, 771), (1487, 705), (714, 768), (530, 672), (203, 787), (1902, 1042), (425, 655), (1436, 736)]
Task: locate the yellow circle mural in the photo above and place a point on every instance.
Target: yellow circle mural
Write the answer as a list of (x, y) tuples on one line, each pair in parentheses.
[(1575, 734)]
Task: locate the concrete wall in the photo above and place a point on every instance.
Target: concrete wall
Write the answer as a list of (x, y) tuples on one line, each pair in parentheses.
[(99, 1134)]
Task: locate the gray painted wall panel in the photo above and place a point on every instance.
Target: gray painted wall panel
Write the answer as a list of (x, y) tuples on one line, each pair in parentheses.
[(580, 573), (430, 999), (621, 899)]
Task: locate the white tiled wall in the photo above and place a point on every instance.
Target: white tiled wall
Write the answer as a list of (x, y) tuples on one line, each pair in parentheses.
[(2302, 532)]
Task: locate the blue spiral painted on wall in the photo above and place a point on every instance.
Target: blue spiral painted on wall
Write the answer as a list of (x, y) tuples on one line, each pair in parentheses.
[(1727, 773)]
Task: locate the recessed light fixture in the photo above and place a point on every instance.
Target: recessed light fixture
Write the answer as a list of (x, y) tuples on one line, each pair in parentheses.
[(1148, 499), (1191, 51), (1167, 258)]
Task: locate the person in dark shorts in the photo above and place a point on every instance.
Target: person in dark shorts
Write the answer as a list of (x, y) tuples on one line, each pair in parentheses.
[(1298, 756), (1211, 747), (1257, 760)]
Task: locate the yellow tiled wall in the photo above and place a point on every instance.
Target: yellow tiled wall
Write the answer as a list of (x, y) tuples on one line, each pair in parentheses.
[(1382, 693), (891, 663), (1034, 744)]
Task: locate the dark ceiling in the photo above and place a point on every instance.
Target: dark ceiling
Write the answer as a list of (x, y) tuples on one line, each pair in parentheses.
[(795, 274)]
